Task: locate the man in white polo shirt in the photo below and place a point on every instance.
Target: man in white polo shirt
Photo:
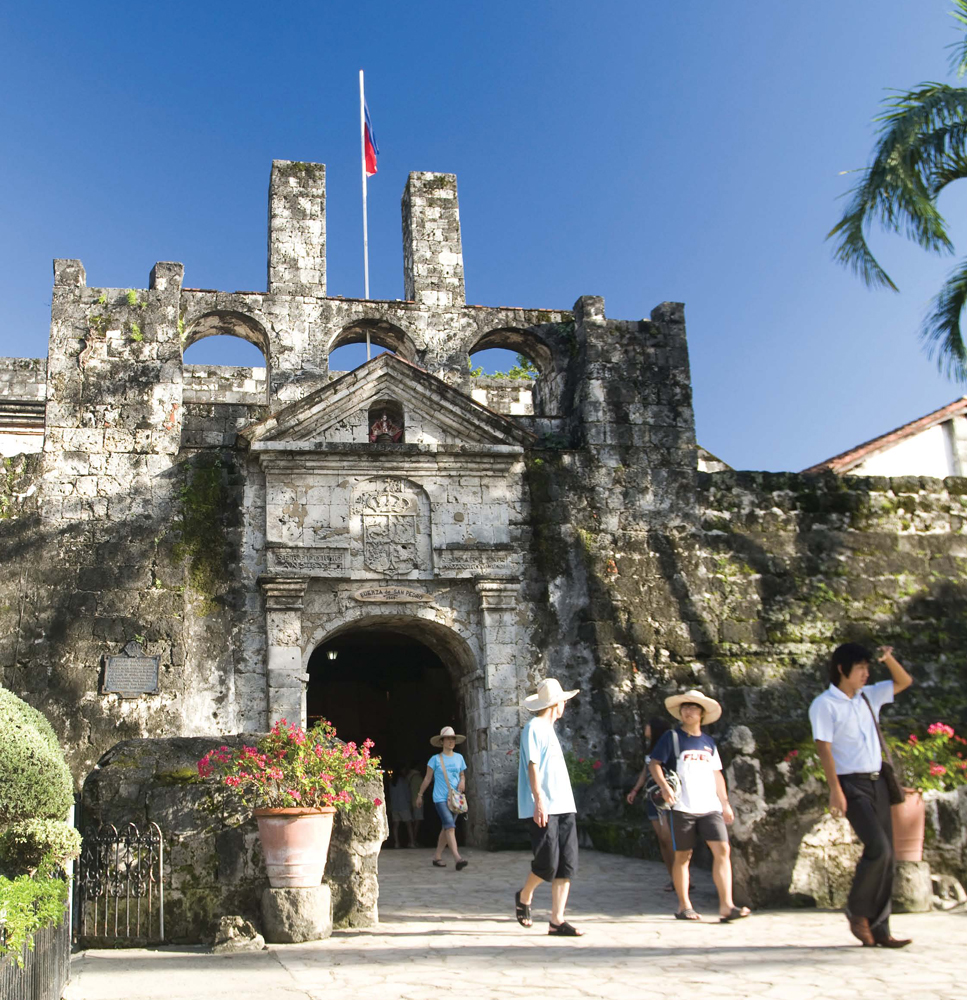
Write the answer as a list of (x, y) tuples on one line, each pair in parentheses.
[(842, 719)]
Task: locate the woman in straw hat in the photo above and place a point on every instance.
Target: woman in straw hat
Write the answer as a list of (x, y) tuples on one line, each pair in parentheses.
[(703, 809), (545, 801), (448, 766)]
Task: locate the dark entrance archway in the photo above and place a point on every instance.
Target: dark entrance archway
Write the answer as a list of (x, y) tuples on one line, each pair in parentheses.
[(385, 685)]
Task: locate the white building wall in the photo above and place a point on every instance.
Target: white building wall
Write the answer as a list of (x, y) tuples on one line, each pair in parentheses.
[(929, 453)]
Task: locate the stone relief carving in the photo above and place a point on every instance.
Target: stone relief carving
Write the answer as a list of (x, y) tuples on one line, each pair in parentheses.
[(393, 525)]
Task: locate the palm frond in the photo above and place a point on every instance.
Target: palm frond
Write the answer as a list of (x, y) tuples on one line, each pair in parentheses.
[(958, 55), (923, 133), (941, 332)]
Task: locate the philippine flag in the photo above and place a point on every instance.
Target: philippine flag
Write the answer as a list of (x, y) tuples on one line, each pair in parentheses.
[(371, 148)]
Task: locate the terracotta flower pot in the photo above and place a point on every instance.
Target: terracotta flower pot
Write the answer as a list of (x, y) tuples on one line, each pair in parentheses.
[(909, 821), (295, 843)]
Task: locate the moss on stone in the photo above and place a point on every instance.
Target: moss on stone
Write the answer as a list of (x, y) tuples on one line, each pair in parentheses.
[(204, 499)]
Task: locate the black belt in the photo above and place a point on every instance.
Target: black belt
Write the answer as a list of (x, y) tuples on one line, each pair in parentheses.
[(867, 775)]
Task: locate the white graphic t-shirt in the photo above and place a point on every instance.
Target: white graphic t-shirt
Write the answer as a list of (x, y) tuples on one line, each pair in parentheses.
[(698, 761)]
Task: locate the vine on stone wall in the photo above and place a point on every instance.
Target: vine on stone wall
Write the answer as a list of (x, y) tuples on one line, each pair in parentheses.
[(204, 499)]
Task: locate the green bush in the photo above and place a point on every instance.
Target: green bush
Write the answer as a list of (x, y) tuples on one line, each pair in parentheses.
[(27, 904), (35, 782), (24, 846)]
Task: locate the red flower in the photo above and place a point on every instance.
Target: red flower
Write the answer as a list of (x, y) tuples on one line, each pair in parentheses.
[(937, 769), (940, 729), (377, 802), (597, 765), (913, 739)]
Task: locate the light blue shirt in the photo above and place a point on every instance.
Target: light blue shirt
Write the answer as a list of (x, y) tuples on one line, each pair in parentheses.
[(847, 724), (455, 765), (539, 744)]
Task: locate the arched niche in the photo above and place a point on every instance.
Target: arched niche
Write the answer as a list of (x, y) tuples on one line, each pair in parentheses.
[(386, 422), (381, 334), (528, 396)]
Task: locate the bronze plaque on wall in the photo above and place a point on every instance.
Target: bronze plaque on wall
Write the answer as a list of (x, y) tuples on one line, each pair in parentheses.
[(131, 674)]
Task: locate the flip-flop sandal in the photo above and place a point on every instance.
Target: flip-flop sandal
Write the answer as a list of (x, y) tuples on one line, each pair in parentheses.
[(688, 914), (522, 911), (461, 864), (564, 930), (439, 864), (735, 914)]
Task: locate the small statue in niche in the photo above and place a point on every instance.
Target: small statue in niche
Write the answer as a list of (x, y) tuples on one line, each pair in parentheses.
[(383, 430)]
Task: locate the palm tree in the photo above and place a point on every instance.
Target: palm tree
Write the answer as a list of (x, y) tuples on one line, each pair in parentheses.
[(921, 149)]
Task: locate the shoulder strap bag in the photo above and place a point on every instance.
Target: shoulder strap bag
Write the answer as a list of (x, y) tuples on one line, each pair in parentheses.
[(653, 790), (456, 801), (892, 776)]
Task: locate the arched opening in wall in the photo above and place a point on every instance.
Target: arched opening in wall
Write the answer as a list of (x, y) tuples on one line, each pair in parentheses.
[(348, 348), (226, 353), (508, 367), (385, 682)]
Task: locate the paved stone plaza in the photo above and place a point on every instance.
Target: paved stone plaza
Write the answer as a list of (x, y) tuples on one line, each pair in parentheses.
[(443, 933)]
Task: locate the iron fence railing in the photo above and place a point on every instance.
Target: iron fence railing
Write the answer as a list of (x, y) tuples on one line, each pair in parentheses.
[(45, 969), (119, 891)]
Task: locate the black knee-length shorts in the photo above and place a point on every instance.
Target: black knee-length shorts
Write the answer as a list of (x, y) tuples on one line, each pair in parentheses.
[(555, 847)]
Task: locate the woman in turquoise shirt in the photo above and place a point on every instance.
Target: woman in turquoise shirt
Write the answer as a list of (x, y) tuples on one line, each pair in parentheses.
[(456, 768)]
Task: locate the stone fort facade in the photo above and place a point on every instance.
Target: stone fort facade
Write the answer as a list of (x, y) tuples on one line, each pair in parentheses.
[(231, 522)]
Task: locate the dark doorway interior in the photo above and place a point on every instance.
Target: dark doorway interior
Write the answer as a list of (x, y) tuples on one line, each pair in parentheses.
[(390, 688)]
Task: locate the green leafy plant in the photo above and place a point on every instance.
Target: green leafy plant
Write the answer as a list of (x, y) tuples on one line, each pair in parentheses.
[(132, 297), (136, 334), (25, 846), (34, 777), (581, 770), (27, 904), (291, 767)]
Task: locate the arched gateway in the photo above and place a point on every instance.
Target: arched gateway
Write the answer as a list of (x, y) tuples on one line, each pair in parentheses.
[(367, 537)]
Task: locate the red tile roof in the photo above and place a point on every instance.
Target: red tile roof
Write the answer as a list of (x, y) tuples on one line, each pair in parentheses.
[(850, 459)]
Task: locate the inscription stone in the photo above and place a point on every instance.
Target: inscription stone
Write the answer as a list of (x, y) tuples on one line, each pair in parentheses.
[(393, 595), (308, 559)]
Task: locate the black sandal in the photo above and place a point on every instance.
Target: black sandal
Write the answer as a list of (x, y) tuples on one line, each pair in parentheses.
[(439, 864), (564, 930), (523, 912)]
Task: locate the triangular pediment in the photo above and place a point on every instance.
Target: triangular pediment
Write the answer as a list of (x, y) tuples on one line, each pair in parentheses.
[(434, 413)]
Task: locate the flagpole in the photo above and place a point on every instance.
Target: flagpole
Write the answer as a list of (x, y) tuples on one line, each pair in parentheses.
[(362, 146)]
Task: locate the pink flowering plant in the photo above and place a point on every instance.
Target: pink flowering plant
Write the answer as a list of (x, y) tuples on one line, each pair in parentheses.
[(290, 767), (936, 761), (581, 770)]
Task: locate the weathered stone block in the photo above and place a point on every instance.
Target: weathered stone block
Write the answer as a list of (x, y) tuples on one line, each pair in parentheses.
[(293, 915)]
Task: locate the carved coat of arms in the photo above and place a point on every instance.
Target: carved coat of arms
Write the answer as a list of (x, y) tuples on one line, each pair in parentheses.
[(389, 516)]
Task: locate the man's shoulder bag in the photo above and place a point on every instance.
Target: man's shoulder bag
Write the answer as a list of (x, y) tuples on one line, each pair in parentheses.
[(456, 801), (891, 775), (653, 792)]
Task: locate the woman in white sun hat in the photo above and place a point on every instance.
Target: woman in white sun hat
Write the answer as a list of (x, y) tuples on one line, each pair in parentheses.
[(703, 809), (447, 770)]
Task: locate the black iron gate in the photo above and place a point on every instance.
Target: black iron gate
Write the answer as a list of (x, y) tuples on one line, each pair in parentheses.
[(119, 891)]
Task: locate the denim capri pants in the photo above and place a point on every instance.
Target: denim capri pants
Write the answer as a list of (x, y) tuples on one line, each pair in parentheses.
[(446, 817)]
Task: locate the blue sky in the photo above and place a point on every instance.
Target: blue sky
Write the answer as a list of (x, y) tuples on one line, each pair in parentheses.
[(642, 151)]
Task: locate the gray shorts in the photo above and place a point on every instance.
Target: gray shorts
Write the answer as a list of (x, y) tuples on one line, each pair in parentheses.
[(687, 827)]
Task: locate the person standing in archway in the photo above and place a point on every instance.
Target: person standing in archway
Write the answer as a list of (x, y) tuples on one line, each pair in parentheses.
[(546, 802), (446, 770)]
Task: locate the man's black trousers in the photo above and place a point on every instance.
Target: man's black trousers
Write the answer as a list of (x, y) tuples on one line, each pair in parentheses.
[(868, 811)]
